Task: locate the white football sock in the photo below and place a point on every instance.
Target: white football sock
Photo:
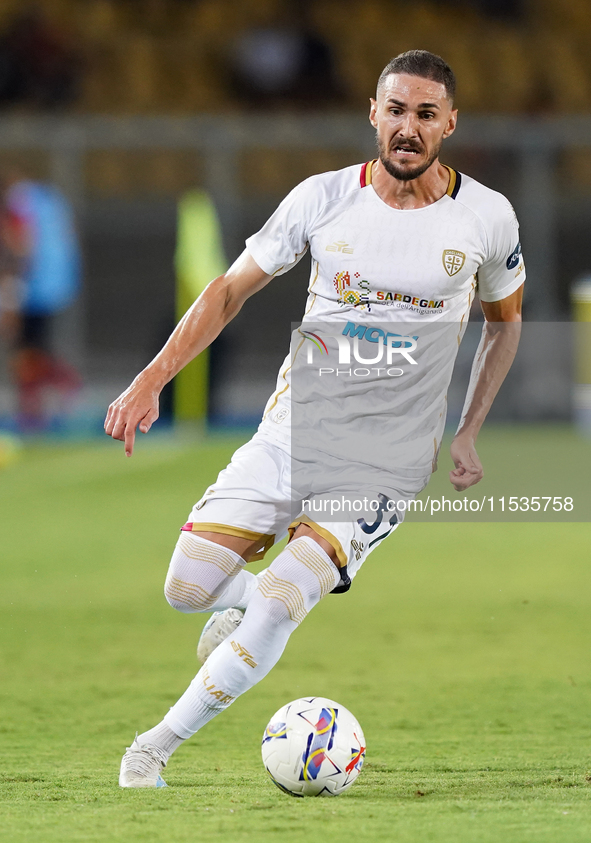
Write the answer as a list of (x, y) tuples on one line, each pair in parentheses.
[(296, 580), (238, 592), (202, 572), (162, 737)]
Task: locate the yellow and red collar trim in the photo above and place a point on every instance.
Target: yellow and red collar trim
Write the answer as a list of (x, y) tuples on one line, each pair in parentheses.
[(453, 188), (455, 181), (365, 175)]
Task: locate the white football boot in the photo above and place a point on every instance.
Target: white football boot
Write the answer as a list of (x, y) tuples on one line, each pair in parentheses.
[(141, 766), (216, 630)]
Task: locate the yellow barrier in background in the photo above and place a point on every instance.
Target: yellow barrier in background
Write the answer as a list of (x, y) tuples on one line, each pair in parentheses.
[(581, 298), (199, 258)]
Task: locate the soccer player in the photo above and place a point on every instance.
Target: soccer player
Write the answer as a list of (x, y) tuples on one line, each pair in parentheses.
[(403, 241)]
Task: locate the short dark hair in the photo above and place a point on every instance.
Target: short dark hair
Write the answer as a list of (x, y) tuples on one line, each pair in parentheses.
[(425, 64)]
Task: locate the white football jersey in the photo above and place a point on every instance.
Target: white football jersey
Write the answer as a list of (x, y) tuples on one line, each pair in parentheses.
[(401, 270)]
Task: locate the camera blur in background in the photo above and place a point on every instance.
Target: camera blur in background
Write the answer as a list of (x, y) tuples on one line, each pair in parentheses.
[(132, 132)]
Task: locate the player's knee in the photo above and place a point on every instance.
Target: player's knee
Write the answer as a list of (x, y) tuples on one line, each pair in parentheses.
[(197, 572), (297, 579), (186, 597)]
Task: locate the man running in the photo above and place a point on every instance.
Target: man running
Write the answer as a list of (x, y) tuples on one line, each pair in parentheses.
[(399, 247)]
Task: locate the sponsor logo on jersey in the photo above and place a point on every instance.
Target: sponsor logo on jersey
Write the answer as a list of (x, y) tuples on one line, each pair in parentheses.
[(416, 301), (348, 295), (513, 258), (453, 261), (340, 246), (371, 334)]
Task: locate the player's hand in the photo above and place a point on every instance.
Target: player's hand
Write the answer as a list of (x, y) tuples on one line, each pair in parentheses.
[(468, 469), (137, 406)]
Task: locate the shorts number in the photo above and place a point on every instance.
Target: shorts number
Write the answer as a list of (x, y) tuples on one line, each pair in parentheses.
[(382, 508)]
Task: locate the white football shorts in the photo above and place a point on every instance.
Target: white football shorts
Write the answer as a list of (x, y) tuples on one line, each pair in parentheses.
[(252, 498)]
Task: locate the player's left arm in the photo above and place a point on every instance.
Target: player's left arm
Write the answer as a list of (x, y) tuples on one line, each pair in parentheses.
[(492, 361)]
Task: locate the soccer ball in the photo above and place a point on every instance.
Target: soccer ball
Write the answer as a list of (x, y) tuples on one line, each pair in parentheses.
[(313, 747)]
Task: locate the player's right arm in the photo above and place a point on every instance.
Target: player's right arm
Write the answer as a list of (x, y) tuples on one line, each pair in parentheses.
[(216, 306)]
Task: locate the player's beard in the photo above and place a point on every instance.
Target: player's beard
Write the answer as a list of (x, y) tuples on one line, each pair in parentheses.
[(405, 173)]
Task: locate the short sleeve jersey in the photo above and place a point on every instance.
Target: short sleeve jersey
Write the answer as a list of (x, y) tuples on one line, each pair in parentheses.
[(374, 264)]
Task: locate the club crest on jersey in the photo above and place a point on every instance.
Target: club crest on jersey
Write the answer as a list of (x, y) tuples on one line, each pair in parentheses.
[(453, 261)]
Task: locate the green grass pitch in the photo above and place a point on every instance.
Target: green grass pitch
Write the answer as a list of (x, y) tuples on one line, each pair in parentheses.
[(463, 649)]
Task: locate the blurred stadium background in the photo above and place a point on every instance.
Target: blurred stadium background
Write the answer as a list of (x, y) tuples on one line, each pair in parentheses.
[(471, 679), (125, 106)]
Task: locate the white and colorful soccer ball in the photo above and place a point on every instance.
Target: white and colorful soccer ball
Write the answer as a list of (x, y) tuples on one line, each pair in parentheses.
[(313, 747)]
